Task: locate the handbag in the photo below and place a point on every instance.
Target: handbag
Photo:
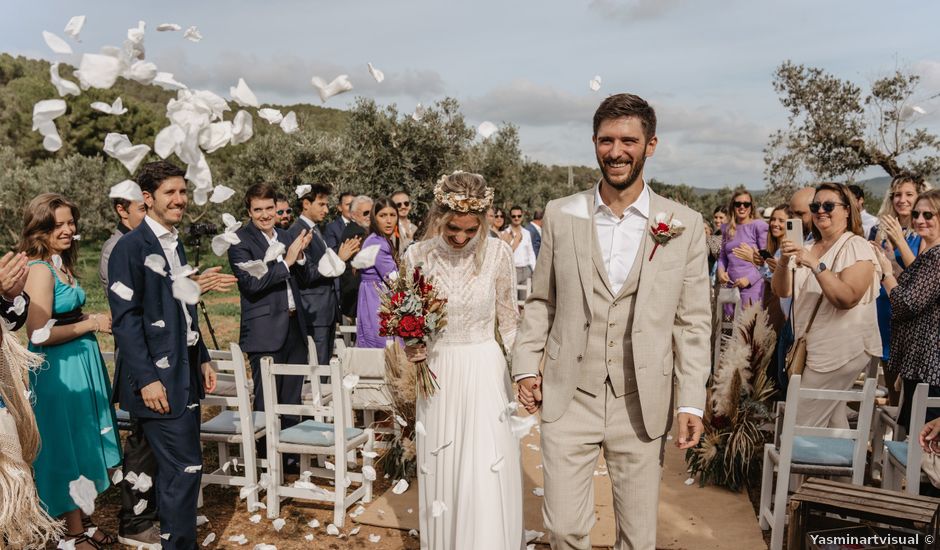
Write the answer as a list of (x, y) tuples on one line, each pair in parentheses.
[(796, 355)]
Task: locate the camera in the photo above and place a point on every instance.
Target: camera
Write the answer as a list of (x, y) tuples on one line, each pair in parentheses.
[(196, 231)]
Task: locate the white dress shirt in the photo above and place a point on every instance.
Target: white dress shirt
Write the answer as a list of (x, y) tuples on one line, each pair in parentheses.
[(868, 221), (291, 306), (168, 241), (524, 254)]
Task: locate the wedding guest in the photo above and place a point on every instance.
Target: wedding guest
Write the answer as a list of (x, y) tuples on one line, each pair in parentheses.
[(868, 221), (534, 228), (915, 308), (896, 236), (713, 241), (285, 214), (163, 369), (838, 274), (766, 262), (742, 228), (499, 220), (318, 295), (273, 321), (523, 253), (491, 221), (135, 527), (360, 212), (799, 208), (377, 262), (333, 233), (24, 522), (71, 392), (405, 231)]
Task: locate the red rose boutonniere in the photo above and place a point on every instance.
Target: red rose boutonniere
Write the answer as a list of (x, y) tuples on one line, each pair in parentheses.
[(664, 229)]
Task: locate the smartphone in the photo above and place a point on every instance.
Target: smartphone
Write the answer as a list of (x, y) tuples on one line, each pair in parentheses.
[(765, 254), (795, 231)]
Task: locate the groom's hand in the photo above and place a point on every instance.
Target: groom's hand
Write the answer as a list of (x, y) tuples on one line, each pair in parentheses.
[(690, 430), (530, 393)]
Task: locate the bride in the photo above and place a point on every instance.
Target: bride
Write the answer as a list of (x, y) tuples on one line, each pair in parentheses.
[(469, 473)]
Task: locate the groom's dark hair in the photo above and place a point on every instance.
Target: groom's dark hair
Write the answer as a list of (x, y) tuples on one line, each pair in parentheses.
[(627, 105)]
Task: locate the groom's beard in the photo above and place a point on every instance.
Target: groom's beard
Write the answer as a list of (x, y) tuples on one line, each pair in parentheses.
[(632, 177)]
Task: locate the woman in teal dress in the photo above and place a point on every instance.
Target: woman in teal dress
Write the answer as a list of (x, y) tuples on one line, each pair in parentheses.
[(71, 391)]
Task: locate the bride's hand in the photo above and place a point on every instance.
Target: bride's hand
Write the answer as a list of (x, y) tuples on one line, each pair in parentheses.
[(416, 353)]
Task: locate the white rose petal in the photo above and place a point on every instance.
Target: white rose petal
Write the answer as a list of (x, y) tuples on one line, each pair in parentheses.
[(538, 491), (595, 84), (84, 493), (486, 129), (438, 508), (437, 451), (74, 27), (56, 44), (210, 538), (201, 520), (159, 324), (355, 531), (378, 75), (163, 363), (374, 539), (193, 35), (193, 469), (122, 291), (242, 95), (339, 85), (419, 428), (278, 524), (350, 381), (313, 524), (168, 27), (127, 189), (116, 477), (308, 537), (40, 335), (106, 429), (255, 268), (369, 454), (332, 530), (186, 290), (400, 487), (140, 506), (156, 263), (240, 539), (368, 472), (531, 535), (118, 146), (690, 481), (413, 533)]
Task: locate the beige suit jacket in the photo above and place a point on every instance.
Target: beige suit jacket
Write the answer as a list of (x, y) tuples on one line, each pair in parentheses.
[(672, 322)]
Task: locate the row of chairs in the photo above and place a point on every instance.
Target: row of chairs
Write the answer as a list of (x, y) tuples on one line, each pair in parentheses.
[(327, 432), (803, 450)]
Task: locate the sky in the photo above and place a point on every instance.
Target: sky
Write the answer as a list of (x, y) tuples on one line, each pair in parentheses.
[(705, 66)]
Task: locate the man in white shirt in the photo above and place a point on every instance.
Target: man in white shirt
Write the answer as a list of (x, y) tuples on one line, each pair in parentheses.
[(406, 229), (523, 254), (868, 221)]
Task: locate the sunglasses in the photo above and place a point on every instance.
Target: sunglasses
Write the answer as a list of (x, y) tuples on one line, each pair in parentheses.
[(288, 211), (928, 215), (497, 215), (402, 204), (741, 204), (826, 207), (516, 217)]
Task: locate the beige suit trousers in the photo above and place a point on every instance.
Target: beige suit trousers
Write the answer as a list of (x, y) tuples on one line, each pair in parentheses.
[(570, 449)]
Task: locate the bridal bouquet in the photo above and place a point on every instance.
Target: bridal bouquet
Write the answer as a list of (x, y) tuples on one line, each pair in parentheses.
[(412, 310)]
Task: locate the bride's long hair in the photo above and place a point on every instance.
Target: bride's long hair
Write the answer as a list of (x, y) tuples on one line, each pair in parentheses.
[(470, 188)]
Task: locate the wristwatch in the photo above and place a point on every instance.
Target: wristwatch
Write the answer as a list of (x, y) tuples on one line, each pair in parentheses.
[(819, 268)]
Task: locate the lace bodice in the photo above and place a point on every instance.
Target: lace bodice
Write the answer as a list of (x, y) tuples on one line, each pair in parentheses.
[(474, 300)]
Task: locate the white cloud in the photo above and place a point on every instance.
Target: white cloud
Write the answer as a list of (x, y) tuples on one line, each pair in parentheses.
[(523, 102), (629, 10)]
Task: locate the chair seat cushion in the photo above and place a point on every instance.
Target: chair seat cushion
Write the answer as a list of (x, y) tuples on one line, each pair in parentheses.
[(122, 415), (310, 432), (898, 450), (827, 451), (227, 422)]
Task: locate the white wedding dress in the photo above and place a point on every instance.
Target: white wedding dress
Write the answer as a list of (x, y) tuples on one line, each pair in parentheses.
[(469, 471)]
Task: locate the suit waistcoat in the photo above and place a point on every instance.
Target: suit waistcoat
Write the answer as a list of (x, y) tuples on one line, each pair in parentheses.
[(609, 350)]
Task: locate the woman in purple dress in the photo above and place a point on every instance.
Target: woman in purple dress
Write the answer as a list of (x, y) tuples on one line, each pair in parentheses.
[(377, 262), (743, 227)]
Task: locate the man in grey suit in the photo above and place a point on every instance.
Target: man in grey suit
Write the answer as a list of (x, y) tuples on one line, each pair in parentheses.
[(130, 208), (624, 326)]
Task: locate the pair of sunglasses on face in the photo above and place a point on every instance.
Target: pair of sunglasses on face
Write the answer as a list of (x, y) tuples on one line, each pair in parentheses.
[(826, 207), (402, 204), (288, 211), (927, 214), (741, 204)]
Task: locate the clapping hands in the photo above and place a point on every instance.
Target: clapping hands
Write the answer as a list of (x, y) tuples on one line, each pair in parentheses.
[(214, 279), (296, 249), (349, 248), (13, 274)]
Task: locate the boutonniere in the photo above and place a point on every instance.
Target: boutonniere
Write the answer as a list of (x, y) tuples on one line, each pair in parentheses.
[(663, 230)]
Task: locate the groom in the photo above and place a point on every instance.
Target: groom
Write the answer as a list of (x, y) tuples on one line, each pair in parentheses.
[(624, 329)]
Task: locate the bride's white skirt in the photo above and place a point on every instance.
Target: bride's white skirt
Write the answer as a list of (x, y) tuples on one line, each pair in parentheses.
[(470, 492)]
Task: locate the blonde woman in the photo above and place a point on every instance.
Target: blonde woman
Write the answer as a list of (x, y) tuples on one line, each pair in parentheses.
[(839, 274), (470, 477), (742, 228)]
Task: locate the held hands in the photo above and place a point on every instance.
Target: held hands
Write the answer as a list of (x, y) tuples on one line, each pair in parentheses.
[(529, 393), (748, 253), (213, 279), (690, 430), (349, 248), (209, 377), (416, 353), (13, 274), (296, 249)]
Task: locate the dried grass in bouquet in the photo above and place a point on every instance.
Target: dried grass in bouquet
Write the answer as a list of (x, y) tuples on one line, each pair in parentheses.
[(400, 462)]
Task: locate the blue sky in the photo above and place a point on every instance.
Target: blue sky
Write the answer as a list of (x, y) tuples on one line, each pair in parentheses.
[(705, 66)]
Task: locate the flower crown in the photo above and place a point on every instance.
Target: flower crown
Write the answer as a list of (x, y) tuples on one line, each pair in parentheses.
[(458, 202)]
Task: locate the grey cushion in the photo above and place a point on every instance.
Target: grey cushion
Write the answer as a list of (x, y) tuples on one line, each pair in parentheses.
[(310, 432), (122, 415), (828, 451), (226, 422), (898, 450)]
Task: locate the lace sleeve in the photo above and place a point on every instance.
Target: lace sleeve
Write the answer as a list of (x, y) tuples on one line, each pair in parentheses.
[(507, 311)]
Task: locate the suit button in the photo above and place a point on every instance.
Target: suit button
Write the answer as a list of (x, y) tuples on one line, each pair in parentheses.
[(586, 325), (580, 357), (611, 344), (610, 325), (615, 304)]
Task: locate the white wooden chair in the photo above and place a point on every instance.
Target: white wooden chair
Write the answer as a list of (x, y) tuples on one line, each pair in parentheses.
[(371, 394), (885, 420), (348, 334), (231, 425), (812, 451), (901, 460), (311, 437)]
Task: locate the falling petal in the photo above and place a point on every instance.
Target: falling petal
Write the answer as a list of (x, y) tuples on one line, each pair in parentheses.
[(278, 524), (339, 85), (274, 251), (119, 147), (486, 129), (242, 95), (83, 493), (159, 324), (140, 506), (498, 465), (222, 242), (186, 290), (98, 71), (62, 86), (221, 194), (595, 83), (366, 257), (216, 136), (156, 263), (40, 335), (74, 27), (538, 491), (302, 190), (168, 27), (437, 451), (332, 530), (106, 429), (368, 473), (242, 127), (56, 44), (400, 487), (122, 291), (378, 75), (141, 482), (350, 381), (329, 465), (419, 428), (273, 116), (163, 363), (116, 477), (289, 123), (521, 426), (369, 454), (193, 469), (531, 535), (201, 520), (167, 82), (210, 538), (438, 508), (192, 34), (255, 268)]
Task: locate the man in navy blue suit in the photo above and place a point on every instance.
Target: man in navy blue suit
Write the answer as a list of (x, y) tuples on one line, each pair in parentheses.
[(535, 230), (270, 267), (164, 368), (320, 297), (333, 234)]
